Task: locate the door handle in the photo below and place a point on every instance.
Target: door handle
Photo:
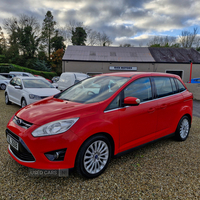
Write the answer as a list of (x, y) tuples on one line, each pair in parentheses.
[(163, 106), (151, 110)]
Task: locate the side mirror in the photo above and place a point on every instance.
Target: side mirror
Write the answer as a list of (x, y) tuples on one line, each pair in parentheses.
[(18, 87), (131, 101)]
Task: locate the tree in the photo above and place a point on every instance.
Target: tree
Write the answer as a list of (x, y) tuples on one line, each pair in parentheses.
[(126, 45), (162, 41), (79, 36), (48, 31), (93, 37), (23, 35), (10, 25), (103, 39), (28, 42), (2, 41), (56, 59), (187, 38), (57, 42), (69, 28)]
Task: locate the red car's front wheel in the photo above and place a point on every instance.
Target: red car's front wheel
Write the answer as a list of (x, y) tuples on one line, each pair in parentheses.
[(94, 156)]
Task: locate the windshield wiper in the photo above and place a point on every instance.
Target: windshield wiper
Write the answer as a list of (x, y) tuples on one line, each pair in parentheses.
[(65, 99)]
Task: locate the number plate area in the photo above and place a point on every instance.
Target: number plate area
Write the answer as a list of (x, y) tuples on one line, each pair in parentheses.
[(13, 142)]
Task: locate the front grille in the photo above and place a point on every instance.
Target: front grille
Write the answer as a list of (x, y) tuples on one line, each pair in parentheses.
[(22, 123), (24, 153)]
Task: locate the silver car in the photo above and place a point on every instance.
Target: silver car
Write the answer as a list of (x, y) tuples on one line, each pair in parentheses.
[(3, 82)]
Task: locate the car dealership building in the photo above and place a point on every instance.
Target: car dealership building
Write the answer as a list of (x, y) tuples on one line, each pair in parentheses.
[(99, 59)]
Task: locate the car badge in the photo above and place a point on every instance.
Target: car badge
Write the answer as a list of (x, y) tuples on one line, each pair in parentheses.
[(19, 121)]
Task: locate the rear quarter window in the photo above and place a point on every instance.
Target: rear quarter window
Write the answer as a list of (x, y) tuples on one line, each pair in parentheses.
[(181, 87)]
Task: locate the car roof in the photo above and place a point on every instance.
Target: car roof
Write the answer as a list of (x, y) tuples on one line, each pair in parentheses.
[(74, 73), (131, 74), (28, 77)]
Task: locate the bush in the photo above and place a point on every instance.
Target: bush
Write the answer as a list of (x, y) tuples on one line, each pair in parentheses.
[(6, 68), (37, 64), (11, 67), (2, 58)]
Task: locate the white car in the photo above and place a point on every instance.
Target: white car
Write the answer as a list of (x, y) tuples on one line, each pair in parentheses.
[(3, 82), (68, 79), (21, 74), (26, 90)]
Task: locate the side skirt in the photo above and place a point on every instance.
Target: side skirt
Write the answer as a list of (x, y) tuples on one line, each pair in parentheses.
[(140, 146)]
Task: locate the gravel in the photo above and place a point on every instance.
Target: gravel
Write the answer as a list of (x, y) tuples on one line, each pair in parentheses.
[(163, 170)]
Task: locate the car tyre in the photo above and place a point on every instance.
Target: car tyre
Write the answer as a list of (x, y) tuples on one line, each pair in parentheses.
[(23, 103), (183, 129), (7, 101), (3, 86), (93, 156)]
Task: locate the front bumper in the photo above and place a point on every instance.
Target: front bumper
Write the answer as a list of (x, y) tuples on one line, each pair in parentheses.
[(32, 150)]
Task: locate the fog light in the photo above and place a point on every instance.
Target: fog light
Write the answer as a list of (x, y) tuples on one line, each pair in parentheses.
[(57, 155)]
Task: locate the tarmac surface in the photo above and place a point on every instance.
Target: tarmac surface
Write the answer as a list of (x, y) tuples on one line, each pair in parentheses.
[(196, 108)]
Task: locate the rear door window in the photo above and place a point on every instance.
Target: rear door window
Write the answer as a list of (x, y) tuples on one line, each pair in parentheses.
[(163, 86)]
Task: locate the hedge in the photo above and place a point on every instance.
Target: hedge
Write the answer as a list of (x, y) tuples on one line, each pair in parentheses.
[(6, 68)]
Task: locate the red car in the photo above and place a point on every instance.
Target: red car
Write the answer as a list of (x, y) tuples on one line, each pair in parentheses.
[(100, 117)]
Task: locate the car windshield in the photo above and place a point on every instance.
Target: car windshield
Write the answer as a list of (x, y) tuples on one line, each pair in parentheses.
[(3, 78), (93, 90), (36, 83)]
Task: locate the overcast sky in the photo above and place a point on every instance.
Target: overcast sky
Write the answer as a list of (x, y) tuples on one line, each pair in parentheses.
[(124, 21)]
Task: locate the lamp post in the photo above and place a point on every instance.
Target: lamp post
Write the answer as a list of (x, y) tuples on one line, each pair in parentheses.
[(190, 70)]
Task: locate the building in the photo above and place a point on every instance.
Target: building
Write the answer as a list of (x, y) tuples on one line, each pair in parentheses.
[(98, 59)]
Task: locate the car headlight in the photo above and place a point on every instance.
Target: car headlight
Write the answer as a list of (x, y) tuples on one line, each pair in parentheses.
[(32, 96), (55, 127)]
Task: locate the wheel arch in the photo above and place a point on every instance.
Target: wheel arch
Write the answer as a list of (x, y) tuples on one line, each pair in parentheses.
[(108, 136), (188, 115), (2, 84), (22, 99), (190, 118), (79, 165)]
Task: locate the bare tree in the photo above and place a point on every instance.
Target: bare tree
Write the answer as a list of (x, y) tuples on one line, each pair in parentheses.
[(140, 44), (197, 42), (126, 45), (12, 24), (31, 21), (187, 38), (93, 37), (23, 34), (67, 31), (103, 39), (162, 41)]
